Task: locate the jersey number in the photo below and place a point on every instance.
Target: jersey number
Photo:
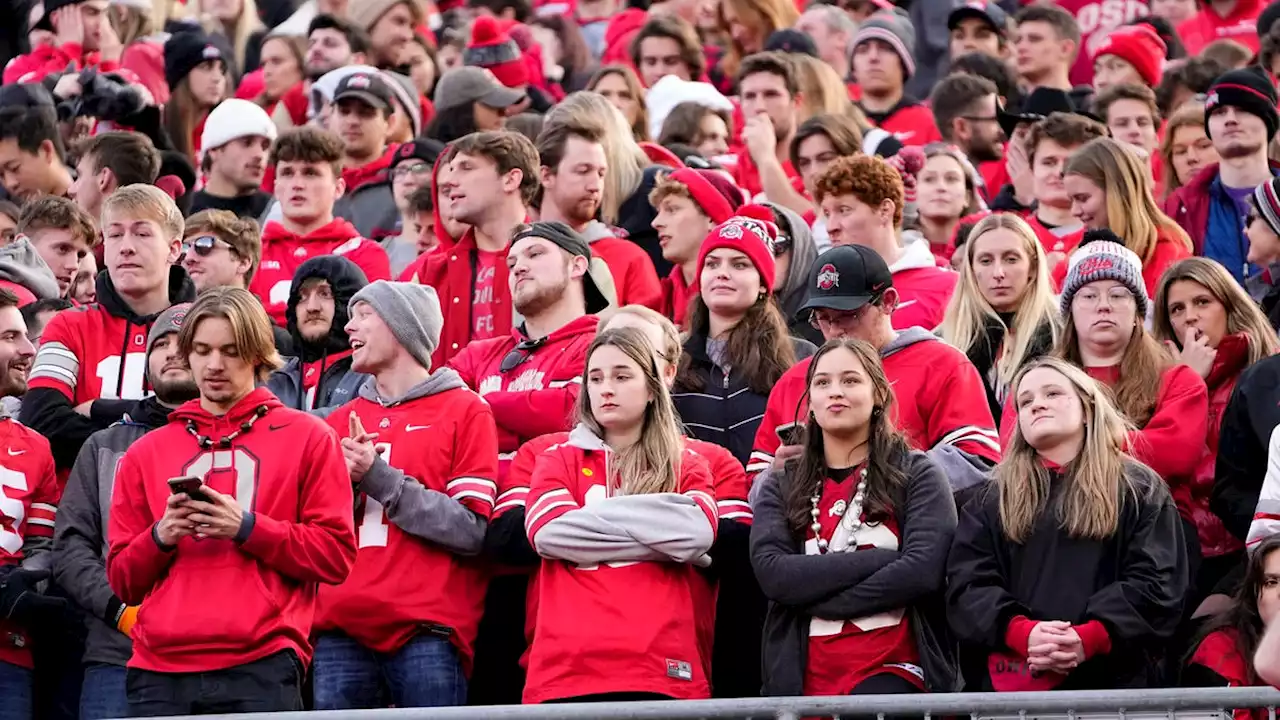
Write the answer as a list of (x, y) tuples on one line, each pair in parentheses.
[(238, 461), (15, 510), (131, 381), (373, 526)]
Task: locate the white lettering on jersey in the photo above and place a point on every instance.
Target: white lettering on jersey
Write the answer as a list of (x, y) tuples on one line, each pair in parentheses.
[(12, 510), (867, 536)]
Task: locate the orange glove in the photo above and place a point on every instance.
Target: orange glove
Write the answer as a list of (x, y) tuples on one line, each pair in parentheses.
[(127, 620)]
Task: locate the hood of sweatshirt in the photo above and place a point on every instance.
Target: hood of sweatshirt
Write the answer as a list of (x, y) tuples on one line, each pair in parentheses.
[(436, 383), (336, 231), (795, 287), (915, 254), (585, 325), (374, 172), (596, 230), (215, 427), (21, 264), (906, 338), (149, 412), (181, 290), (582, 437), (345, 279)]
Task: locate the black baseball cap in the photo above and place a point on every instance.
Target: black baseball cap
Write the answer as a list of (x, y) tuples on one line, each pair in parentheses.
[(425, 149), (367, 87), (988, 12), (569, 240), (846, 278), (1040, 104)]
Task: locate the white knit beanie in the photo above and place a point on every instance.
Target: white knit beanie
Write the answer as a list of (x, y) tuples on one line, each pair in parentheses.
[(232, 119), (1103, 260)]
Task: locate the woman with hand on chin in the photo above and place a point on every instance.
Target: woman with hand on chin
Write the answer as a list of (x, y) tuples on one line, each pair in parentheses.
[(849, 543), (1070, 572)]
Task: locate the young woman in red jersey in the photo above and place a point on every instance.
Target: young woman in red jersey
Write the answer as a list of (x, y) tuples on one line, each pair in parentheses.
[(622, 516), (1205, 319), (1070, 572), (1229, 641), (849, 542)]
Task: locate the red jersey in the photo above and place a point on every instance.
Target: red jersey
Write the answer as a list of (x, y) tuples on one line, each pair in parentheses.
[(1097, 18), (1062, 239), (614, 626), (939, 399), (676, 296), (1206, 26), (747, 176), (45, 59), (538, 395), (87, 353), (284, 251), (910, 122), (453, 275), (213, 604), (400, 583), (844, 652), (924, 288), (29, 494)]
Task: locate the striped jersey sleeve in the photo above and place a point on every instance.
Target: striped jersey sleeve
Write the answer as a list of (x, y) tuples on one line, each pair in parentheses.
[(549, 493), (696, 484), (473, 480)]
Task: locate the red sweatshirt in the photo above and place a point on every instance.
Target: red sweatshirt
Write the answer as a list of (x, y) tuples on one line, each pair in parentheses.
[(283, 252), (29, 494), (46, 59), (1206, 26), (909, 121), (1168, 251), (214, 604)]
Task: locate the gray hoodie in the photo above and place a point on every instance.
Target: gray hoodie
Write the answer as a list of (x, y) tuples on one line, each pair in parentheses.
[(662, 527), (22, 265), (411, 506)]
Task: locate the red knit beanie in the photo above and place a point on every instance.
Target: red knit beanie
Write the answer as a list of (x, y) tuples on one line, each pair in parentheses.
[(1139, 46), (492, 48), (749, 236), (711, 191)]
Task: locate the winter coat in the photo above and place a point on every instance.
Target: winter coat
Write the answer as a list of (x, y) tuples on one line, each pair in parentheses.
[(367, 202), (1190, 206), (1244, 436)]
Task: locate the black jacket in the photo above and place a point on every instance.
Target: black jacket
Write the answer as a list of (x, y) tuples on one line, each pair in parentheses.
[(635, 219), (1251, 415), (855, 584), (722, 409), (80, 533), (50, 413), (1133, 582), (982, 353)]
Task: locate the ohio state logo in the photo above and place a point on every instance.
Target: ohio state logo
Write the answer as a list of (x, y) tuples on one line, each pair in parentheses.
[(211, 52), (1092, 265), (358, 81), (828, 277)]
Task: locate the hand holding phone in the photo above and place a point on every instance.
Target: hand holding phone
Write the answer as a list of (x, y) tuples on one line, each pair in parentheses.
[(789, 434), (191, 485)]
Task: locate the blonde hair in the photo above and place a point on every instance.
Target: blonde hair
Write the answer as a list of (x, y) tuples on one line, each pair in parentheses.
[(1090, 506), (148, 202), (1244, 317), (762, 15), (1131, 207), (822, 91), (132, 23), (250, 327), (1191, 114), (246, 25), (969, 313), (590, 112), (652, 464)]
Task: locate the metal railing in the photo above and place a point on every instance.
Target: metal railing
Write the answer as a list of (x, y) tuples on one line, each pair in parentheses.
[(1151, 704)]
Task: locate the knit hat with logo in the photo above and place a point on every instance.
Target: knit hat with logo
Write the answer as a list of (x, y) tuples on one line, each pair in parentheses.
[(411, 311), (712, 192), (1103, 260), (491, 47), (750, 235), (1247, 89), (895, 30), (185, 51), (1139, 46), (169, 321)]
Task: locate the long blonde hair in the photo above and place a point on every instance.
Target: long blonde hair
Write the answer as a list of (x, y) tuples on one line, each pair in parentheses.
[(652, 464), (763, 15), (969, 313), (589, 112), (1131, 207), (246, 25), (1097, 483), (1244, 317), (821, 88)]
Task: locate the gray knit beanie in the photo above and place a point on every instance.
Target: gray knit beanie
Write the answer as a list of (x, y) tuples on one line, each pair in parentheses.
[(168, 321), (1102, 260), (893, 28), (410, 310)]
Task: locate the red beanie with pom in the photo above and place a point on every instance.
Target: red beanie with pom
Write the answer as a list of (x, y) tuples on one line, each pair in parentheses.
[(750, 235), (491, 47)]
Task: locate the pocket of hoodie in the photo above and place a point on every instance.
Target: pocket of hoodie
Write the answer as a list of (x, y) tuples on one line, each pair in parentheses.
[(209, 602)]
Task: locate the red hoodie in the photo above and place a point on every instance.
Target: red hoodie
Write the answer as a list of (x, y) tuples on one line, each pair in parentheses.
[(1206, 26), (284, 251), (452, 273), (374, 171), (214, 604), (909, 121), (46, 59)]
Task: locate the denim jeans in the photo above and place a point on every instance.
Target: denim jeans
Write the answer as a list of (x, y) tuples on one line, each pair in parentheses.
[(15, 688), (423, 673), (271, 684), (103, 695)]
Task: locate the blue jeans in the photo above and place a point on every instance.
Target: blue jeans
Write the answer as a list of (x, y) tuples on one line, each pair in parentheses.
[(15, 688), (103, 693), (423, 673)]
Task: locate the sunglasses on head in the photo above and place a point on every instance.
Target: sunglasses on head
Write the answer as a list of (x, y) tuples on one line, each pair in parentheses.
[(202, 246)]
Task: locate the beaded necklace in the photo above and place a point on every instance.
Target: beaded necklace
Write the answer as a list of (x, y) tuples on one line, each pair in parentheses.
[(206, 443), (851, 520)]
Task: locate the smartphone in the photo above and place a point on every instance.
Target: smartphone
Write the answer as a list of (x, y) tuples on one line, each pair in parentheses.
[(190, 485), (789, 434)]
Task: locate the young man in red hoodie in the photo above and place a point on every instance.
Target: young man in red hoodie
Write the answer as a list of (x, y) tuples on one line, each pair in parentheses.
[(92, 363), (408, 614), (689, 204), (362, 107), (883, 61), (308, 181), (493, 176), (573, 169), (230, 554), (82, 38)]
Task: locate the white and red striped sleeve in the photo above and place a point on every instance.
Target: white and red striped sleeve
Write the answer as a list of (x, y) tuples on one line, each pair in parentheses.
[(696, 483), (549, 493), (44, 501), (473, 480), (960, 414)]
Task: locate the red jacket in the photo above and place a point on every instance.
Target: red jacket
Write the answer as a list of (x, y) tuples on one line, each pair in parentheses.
[(283, 252), (1206, 26), (46, 59), (634, 277), (214, 604), (145, 58), (910, 122), (1189, 204), (452, 274), (537, 396), (29, 495), (676, 297), (1220, 654)]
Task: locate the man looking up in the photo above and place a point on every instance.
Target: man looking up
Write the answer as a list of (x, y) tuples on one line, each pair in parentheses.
[(493, 177), (220, 250), (61, 233), (109, 161), (268, 507), (690, 204), (362, 105), (883, 62), (31, 149), (92, 362), (80, 536), (771, 104), (308, 170), (234, 147)]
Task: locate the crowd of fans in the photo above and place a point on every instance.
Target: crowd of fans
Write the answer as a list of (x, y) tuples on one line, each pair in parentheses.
[(387, 353)]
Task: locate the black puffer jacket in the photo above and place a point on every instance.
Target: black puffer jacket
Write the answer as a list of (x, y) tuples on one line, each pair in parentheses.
[(1252, 414)]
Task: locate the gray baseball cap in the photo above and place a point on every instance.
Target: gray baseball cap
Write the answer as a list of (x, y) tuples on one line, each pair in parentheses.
[(465, 85)]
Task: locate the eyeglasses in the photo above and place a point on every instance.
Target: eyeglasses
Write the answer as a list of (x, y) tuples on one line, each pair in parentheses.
[(202, 246), (839, 318), (417, 169), (519, 354), (1116, 297)]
